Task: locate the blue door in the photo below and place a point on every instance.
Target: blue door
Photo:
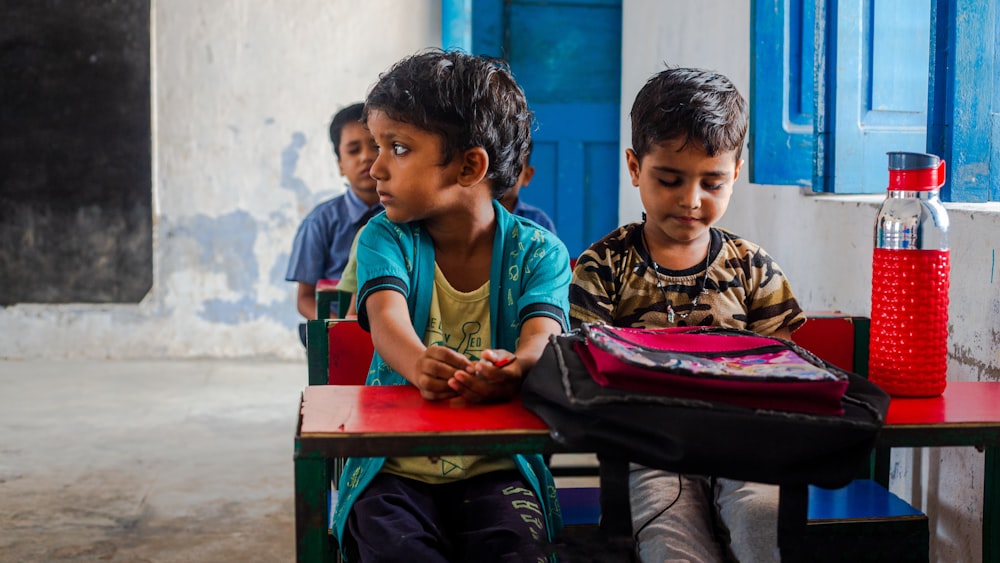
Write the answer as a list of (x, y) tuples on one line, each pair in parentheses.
[(567, 57)]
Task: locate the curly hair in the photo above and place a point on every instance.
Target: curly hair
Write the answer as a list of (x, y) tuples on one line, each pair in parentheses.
[(470, 101), (350, 114), (693, 105)]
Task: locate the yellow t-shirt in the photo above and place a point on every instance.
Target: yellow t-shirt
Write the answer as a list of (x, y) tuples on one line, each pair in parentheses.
[(460, 321)]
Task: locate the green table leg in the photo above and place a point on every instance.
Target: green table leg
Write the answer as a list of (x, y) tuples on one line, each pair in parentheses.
[(312, 486), (991, 510), (881, 463)]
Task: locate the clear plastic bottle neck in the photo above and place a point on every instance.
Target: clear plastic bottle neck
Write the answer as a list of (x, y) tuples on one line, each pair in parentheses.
[(914, 194)]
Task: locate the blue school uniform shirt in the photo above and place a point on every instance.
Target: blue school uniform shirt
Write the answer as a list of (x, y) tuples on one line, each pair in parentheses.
[(529, 211), (529, 276), (323, 242)]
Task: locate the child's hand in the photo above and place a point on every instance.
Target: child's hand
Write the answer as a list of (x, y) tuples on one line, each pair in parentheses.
[(434, 368), (496, 377)]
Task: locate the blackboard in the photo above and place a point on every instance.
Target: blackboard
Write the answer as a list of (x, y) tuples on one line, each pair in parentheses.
[(75, 151)]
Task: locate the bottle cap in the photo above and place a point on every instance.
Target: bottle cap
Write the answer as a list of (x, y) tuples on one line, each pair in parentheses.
[(914, 171)]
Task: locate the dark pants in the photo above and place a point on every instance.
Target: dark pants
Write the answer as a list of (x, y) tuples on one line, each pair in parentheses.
[(490, 517)]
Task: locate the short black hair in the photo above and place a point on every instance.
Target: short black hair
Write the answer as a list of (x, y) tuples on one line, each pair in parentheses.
[(690, 104), (350, 114), (469, 100)]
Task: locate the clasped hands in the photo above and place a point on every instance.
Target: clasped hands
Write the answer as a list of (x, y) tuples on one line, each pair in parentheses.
[(443, 373)]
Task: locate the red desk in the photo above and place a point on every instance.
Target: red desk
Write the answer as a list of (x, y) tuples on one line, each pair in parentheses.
[(339, 421), (359, 421), (967, 414), (346, 421)]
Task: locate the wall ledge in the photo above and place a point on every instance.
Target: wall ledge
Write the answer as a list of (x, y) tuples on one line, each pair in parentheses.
[(989, 209)]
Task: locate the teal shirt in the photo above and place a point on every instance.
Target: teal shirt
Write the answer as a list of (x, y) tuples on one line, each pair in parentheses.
[(529, 276)]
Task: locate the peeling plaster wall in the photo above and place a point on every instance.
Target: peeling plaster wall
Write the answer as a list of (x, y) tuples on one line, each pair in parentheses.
[(243, 93), (824, 244)]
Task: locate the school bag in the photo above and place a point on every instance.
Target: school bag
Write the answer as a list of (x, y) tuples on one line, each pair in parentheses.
[(706, 400)]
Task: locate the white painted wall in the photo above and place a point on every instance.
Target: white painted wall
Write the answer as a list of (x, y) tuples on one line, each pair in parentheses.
[(243, 93), (824, 244)]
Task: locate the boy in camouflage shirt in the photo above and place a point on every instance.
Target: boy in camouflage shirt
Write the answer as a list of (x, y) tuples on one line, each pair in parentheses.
[(676, 269)]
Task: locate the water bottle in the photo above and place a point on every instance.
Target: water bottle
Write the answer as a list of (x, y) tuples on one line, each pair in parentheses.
[(910, 268)]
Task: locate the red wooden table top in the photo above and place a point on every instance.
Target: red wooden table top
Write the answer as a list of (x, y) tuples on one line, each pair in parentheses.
[(329, 410), (975, 403)]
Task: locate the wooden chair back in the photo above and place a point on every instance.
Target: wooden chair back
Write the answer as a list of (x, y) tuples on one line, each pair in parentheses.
[(839, 339), (339, 352), (330, 301), (350, 353)]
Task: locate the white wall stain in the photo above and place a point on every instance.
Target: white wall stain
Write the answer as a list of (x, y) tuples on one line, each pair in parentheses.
[(289, 160)]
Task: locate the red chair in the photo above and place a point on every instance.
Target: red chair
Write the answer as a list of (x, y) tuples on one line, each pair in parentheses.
[(839, 339), (339, 352)]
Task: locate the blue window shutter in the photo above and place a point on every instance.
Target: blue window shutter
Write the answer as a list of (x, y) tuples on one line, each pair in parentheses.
[(964, 125), (781, 92), (873, 98)]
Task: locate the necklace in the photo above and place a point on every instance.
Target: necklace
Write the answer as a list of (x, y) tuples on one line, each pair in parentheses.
[(671, 314)]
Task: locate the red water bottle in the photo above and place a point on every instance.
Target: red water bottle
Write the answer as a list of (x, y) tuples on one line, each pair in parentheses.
[(910, 267)]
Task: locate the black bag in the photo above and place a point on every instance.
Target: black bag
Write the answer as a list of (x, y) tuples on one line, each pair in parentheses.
[(701, 437)]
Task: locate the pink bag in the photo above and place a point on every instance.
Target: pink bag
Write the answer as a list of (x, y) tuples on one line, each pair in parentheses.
[(713, 364)]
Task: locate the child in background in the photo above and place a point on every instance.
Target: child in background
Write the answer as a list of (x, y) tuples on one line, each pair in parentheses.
[(460, 297), (323, 241), (517, 206), (510, 200), (676, 269)]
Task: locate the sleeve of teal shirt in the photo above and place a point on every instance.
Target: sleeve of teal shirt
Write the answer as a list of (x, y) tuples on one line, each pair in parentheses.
[(384, 250), (546, 271)]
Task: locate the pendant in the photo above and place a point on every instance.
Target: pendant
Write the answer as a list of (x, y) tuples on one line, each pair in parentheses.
[(670, 314)]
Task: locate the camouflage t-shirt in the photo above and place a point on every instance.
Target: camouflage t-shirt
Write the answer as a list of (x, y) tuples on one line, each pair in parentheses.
[(615, 282)]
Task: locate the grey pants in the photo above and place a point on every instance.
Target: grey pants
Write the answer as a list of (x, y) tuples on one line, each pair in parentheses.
[(692, 518)]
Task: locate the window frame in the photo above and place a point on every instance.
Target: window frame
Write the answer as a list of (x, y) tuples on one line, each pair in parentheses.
[(963, 97)]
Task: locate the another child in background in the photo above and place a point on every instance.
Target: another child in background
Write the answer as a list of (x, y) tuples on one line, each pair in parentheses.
[(460, 297), (512, 201), (323, 241), (675, 269)]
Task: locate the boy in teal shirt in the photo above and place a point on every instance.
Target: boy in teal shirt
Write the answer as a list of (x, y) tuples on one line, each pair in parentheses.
[(460, 297)]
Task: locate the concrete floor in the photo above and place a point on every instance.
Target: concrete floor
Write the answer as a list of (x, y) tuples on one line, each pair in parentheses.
[(147, 461)]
